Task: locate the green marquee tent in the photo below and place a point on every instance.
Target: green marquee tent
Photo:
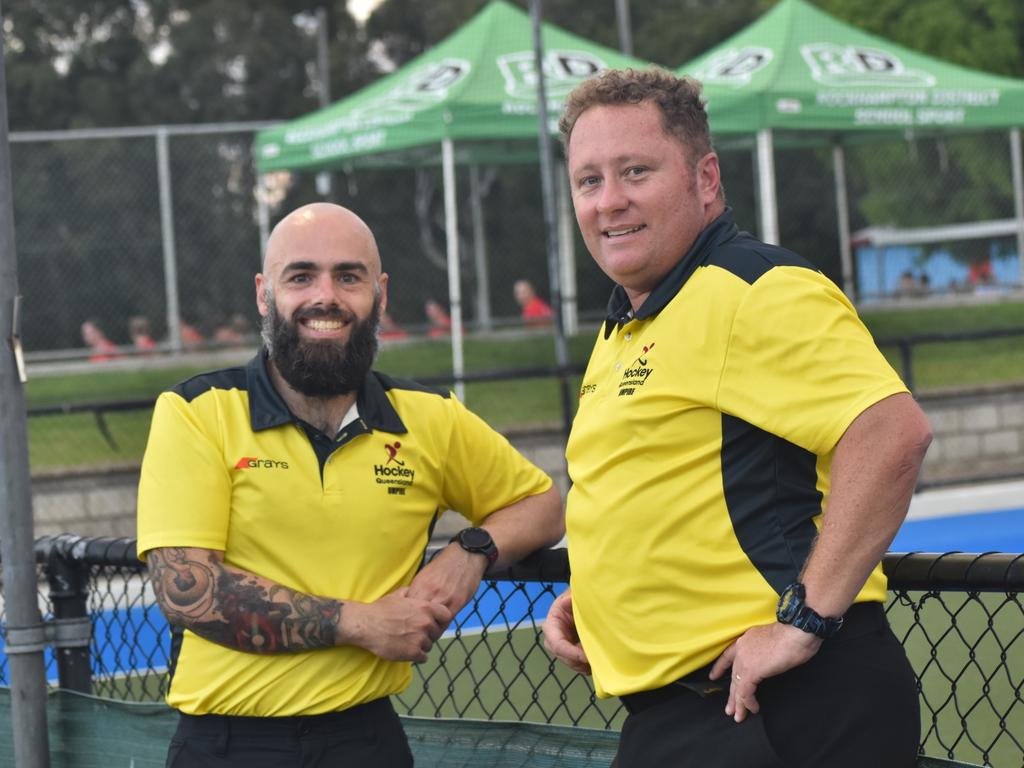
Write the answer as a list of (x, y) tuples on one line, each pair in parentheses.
[(798, 69), (471, 98)]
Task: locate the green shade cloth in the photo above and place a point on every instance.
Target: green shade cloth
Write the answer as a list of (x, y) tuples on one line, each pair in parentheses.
[(477, 84), (798, 68), (90, 732)]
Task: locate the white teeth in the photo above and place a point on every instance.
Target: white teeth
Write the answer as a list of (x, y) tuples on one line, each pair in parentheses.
[(620, 232), (324, 325)]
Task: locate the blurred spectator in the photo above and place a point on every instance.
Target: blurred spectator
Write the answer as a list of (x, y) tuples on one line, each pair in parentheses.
[(389, 329), (103, 349), (535, 310), (908, 284), (138, 329), (440, 324), (235, 332), (980, 273), (190, 337)]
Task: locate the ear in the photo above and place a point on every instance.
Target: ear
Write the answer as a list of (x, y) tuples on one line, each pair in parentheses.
[(261, 303), (382, 281), (709, 178)]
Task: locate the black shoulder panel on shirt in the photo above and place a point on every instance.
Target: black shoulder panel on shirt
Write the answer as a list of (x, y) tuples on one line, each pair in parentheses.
[(225, 378), (389, 383), (749, 258)]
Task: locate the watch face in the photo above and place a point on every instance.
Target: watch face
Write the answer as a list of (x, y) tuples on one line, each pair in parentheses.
[(475, 538)]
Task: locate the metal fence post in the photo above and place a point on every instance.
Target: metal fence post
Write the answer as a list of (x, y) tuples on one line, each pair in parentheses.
[(907, 363), (69, 590)]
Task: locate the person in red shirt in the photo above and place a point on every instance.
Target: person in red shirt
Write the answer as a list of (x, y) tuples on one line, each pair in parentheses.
[(535, 311), (103, 349), (440, 324), (138, 329)]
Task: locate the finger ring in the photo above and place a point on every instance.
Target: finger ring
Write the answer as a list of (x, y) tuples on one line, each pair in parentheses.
[(736, 678)]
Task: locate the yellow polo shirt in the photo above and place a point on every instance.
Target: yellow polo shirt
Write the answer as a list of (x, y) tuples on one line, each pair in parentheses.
[(228, 468), (700, 454)]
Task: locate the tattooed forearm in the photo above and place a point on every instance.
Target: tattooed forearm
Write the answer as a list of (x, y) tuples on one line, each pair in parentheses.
[(228, 606)]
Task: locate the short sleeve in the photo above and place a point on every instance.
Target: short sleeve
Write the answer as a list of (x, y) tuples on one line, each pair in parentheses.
[(184, 488), (484, 473), (800, 363)]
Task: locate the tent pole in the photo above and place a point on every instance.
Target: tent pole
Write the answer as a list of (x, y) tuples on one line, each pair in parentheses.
[(766, 186), (843, 216), (567, 251), (1017, 168), (451, 228), (483, 277)]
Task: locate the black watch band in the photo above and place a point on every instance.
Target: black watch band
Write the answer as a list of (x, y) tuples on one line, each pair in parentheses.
[(479, 542), (794, 611)]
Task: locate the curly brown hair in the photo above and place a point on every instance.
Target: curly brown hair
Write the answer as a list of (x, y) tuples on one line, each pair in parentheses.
[(679, 99)]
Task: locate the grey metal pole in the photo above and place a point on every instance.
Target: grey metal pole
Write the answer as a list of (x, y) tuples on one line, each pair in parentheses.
[(547, 178), (1017, 170), (323, 68), (843, 215), (25, 638), (163, 168), (483, 276), (625, 30)]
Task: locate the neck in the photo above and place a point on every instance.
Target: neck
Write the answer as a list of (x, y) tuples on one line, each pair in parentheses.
[(324, 413)]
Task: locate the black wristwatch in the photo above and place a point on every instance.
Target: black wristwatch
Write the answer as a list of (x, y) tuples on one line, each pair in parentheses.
[(477, 541), (792, 610)]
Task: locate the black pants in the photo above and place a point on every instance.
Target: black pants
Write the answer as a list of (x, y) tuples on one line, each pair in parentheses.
[(854, 704), (367, 735)]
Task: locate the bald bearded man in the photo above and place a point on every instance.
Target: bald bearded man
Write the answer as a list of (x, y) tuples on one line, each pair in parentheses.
[(285, 507)]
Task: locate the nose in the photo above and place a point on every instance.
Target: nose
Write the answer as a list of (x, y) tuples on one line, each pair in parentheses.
[(613, 197), (325, 290)]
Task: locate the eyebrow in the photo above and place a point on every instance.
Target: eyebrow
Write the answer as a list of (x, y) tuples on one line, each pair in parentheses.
[(310, 266)]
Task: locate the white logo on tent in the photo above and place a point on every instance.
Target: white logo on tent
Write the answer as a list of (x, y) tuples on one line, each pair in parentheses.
[(734, 67), (563, 71), (833, 64), (422, 89)]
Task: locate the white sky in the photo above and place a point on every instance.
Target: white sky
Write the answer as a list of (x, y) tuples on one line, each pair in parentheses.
[(362, 8)]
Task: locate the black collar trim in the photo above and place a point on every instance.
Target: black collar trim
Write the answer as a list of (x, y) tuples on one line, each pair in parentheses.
[(267, 408), (620, 311)]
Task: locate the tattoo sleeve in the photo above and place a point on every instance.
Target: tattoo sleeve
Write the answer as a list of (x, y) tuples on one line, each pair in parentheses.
[(196, 590)]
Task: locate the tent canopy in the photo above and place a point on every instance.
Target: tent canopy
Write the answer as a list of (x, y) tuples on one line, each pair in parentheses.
[(798, 68), (477, 87)]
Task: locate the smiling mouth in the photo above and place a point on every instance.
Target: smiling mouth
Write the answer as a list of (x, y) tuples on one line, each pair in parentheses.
[(613, 233)]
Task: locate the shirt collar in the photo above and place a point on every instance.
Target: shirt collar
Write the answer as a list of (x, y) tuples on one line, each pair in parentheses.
[(267, 408), (620, 311)]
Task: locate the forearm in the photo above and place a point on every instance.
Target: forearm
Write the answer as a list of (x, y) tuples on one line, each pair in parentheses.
[(198, 591), (874, 472), (526, 526)]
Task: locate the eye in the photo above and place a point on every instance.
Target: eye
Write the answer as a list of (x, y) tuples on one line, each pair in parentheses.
[(298, 278), (636, 170), (348, 278), (588, 181)]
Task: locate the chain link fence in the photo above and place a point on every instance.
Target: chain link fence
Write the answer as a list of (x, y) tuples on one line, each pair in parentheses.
[(163, 224), (960, 618)]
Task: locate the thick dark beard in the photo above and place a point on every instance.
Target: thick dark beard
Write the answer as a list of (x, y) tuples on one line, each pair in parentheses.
[(322, 368)]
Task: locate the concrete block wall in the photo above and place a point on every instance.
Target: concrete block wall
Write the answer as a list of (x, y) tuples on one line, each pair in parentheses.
[(978, 432)]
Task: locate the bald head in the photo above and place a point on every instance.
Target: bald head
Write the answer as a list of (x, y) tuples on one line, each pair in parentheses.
[(320, 226)]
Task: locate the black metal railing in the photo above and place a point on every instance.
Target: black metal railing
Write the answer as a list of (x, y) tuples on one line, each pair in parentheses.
[(960, 617)]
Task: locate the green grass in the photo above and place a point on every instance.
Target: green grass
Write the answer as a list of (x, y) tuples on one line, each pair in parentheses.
[(57, 441)]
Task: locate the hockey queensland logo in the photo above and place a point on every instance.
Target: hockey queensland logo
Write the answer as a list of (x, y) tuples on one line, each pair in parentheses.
[(734, 67), (393, 472), (842, 65), (563, 71), (636, 375)]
